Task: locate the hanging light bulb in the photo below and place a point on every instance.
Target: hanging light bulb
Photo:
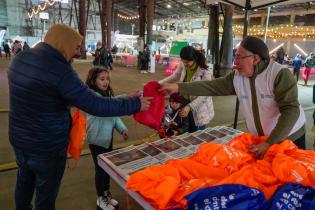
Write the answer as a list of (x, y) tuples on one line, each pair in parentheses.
[(41, 7)]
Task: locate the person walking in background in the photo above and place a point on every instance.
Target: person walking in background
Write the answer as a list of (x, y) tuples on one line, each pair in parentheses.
[(26, 46), (7, 50), (99, 135), (139, 62), (144, 60), (297, 63), (267, 92), (101, 56), (42, 87), (280, 55), (114, 50), (193, 67), (309, 64), (110, 59), (97, 54), (17, 47)]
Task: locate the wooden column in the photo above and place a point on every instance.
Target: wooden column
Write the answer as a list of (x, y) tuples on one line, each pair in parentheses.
[(109, 4), (115, 22), (102, 10), (213, 37), (142, 20), (150, 17), (227, 42), (82, 26)]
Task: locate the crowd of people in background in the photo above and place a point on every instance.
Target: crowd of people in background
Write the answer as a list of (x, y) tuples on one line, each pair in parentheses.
[(297, 62), (13, 47), (103, 56)]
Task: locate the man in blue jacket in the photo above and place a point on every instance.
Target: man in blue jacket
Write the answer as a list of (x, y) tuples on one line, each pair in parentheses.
[(42, 87)]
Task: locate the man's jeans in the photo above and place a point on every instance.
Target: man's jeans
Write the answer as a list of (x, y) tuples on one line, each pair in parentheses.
[(41, 174)]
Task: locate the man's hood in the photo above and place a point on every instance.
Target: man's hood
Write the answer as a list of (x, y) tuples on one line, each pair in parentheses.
[(63, 38)]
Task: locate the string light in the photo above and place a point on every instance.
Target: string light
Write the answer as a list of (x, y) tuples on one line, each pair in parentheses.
[(128, 17), (288, 31), (41, 7)]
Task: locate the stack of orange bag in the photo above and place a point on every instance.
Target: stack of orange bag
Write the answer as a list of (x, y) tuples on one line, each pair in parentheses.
[(165, 186)]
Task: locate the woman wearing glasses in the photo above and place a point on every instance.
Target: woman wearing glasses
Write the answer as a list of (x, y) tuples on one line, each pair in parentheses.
[(267, 93)]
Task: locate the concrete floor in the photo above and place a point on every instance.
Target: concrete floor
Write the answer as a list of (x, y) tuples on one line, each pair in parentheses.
[(77, 190)]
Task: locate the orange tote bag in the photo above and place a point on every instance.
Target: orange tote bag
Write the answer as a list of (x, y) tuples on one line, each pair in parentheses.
[(77, 134)]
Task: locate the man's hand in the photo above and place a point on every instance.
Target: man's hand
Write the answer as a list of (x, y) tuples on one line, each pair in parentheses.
[(135, 94), (124, 134), (169, 88), (145, 103), (259, 149), (184, 111)]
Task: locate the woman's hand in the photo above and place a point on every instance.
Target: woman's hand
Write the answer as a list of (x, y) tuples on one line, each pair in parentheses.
[(124, 134), (169, 88), (259, 149), (184, 111)]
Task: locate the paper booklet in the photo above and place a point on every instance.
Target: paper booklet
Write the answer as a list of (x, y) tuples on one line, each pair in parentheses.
[(133, 158)]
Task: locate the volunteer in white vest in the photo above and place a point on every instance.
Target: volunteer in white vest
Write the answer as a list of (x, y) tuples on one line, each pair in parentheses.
[(267, 92)]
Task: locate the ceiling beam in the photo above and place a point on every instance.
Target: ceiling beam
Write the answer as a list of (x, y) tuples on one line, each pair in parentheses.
[(299, 11), (250, 5), (168, 9), (233, 3), (184, 6), (269, 4)]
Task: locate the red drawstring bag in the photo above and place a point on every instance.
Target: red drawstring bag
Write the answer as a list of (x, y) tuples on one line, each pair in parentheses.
[(77, 134), (153, 116)]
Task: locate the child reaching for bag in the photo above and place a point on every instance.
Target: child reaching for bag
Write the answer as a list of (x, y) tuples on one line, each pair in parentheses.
[(174, 124), (99, 135)]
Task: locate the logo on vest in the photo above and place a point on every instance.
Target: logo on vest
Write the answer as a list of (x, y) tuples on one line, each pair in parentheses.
[(243, 97), (265, 96)]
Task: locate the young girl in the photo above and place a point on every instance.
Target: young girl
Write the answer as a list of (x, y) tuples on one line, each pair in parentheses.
[(99, 135)]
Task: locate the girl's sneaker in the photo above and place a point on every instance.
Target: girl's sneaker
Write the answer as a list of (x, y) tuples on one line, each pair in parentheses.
[(104, 203), (109, 197)]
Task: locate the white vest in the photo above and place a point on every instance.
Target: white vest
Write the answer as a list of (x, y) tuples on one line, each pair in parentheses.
[(268, 109)]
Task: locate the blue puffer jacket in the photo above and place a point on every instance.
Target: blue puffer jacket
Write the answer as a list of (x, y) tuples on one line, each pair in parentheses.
[(42, 86)]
